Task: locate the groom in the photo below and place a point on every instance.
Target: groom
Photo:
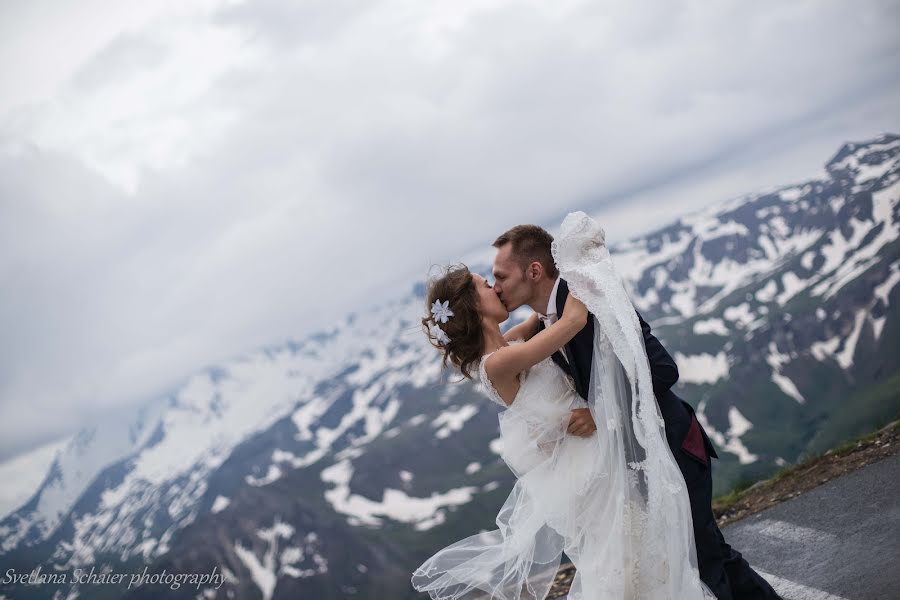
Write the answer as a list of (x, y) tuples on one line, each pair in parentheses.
[(525, 274)]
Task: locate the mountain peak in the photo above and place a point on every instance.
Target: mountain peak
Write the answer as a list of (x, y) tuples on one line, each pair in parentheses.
[(851, 154)]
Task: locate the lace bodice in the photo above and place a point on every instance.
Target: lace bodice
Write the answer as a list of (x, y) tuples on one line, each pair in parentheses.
[(543, 380), (486, 387)]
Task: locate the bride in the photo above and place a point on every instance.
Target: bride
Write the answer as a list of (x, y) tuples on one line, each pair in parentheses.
[(615, 502)]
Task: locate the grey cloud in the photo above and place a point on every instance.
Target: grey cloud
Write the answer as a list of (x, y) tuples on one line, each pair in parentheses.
[(126, 56), (386, 148), (286, 25)]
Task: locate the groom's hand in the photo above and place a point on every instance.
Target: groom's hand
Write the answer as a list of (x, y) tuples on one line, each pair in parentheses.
[(581, 423)]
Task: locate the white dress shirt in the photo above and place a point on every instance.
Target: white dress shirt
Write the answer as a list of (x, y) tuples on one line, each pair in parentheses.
[(552, 315)]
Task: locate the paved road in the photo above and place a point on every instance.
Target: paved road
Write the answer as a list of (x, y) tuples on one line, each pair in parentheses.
[(838, 541)]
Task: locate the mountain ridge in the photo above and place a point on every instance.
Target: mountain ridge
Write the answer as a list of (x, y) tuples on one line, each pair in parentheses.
[(776, 305)]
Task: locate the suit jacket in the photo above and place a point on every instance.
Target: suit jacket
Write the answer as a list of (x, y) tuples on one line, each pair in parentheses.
[(683, 431)]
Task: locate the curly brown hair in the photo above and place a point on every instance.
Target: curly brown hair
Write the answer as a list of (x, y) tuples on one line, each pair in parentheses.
[(464, 327)]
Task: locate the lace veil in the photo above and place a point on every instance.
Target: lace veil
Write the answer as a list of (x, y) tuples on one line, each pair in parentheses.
[(618, 507)]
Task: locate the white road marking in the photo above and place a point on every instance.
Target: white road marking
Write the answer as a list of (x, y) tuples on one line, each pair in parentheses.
[(782, 530), (809, 537), (791, 590)]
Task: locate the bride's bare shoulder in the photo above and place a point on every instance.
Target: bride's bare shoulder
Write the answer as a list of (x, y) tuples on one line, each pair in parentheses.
[(491, 366)]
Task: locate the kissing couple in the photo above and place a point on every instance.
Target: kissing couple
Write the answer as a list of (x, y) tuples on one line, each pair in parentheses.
[(611, 466)]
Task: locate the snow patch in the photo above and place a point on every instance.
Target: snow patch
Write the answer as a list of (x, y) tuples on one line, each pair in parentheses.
[(22, 475), (776, 360), (265, 571), (683, 299), (273, 474), (453, 420), (883, 203), (806, 261), (868, 172), (823, 350), (738, 426), (792, 285), (713, 229), (702, 368), (845, 356), (877, 325), (740, 314), (731, 441), (793, 193), (220, 504), (766, 293), (261, 573), (416, 420), (633, 259), (715, 326), (883, 289), (394, 504)]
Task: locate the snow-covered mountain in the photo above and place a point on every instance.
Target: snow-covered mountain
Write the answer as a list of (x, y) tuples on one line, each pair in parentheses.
[(330, 467)]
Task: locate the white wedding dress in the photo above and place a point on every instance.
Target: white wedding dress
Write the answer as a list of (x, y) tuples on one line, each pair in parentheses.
[(615, 501)]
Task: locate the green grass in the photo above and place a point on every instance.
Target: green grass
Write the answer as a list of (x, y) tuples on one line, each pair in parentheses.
[(725, 501), (872, 407)]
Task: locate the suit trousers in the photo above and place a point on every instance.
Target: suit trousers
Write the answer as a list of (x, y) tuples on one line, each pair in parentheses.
[(722, 568)]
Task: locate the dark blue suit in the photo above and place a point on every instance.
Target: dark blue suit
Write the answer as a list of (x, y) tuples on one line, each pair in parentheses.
[(722, 568)]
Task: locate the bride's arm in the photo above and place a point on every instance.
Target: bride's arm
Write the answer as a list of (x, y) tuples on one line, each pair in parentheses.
[(524, 330), (508, 362)]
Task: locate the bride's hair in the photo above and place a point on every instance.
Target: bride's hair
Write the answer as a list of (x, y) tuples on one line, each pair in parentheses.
[(466, 343)]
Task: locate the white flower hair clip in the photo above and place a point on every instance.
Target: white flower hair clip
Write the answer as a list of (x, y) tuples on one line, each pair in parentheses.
[(440, 335), (441, 311)]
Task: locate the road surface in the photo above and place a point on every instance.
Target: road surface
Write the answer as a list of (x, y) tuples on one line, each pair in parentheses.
[(839, 541)]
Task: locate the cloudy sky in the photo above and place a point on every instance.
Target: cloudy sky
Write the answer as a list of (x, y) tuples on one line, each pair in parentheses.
[(184, 181)]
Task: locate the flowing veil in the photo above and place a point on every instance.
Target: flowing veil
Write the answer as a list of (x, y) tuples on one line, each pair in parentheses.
[(615, 502)]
